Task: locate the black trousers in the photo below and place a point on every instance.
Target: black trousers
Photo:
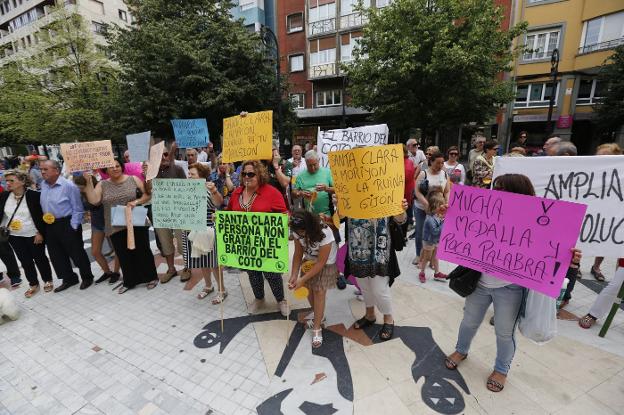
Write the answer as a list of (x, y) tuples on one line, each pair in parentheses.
[(137, 265), (63, 243), (29, 255), (7, 256)]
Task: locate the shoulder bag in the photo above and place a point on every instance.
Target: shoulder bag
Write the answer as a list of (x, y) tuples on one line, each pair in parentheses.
[(4, 230), (464, 280)]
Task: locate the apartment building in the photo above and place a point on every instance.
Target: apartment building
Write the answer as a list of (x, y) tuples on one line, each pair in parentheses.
[(21, 20), (584, 32), (255, 13)]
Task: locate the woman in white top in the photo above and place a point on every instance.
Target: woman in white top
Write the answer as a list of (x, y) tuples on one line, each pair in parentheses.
[(454, 169), (507, 299), (434, 177), (314, 264), (21, 213)]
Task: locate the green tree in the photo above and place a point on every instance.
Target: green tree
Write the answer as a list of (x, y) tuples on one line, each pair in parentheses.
[(610, 108), (428, 64), (58, 90), (189, 59)]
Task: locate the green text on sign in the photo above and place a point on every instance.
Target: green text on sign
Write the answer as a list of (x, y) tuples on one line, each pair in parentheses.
[(254, 241)]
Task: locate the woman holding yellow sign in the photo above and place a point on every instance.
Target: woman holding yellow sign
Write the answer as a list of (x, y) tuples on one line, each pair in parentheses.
[(314, 265)]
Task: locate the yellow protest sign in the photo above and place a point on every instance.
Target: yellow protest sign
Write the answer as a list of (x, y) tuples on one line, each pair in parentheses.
[(88, 155), (248, 138), (369, 182)]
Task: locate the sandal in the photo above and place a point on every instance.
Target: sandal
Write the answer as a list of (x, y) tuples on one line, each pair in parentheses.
[(363, 323), (452, 364), (122, 290), (587, 321), (220, 298), (386, 331), (48, 286), (317, 338), (205, 293), (152, 284), (494, 385), (34, 289), (597, 274)]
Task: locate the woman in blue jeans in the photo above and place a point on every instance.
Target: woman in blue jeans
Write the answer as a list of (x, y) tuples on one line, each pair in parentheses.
[(507, 299)]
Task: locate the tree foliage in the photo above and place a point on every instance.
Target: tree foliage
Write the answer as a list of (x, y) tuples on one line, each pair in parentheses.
[(59, 89), (189, 59), (427, 64), (610, 108)]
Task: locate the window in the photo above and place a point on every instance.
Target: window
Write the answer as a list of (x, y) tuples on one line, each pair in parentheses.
[(323, 12), (323, 57), (98, 27), (246, 4), (297, 100), (295, 63), (590, 92), (328, 98), (123, 15), (540, 45), (534, 95), (603, 32), (294, 23), (383, 3), (346, 51), (348, 6)]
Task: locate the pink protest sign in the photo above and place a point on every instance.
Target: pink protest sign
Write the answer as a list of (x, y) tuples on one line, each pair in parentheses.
[(525, 240)]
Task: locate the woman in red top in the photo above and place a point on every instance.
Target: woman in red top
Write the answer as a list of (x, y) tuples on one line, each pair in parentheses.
[(256, 195)]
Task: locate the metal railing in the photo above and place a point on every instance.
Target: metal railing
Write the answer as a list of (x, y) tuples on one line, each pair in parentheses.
[(324, 70), (601, 46), (352, 20), (322, 26)]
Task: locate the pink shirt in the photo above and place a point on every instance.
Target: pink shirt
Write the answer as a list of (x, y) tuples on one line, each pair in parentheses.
[(131, 169)]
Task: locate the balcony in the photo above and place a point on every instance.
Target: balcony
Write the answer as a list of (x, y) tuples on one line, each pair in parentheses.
[(352, 20), (325, 70), (322, 27), (601, 46)]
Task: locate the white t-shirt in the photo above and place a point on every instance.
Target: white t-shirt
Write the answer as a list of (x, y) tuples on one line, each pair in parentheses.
[(435, 180), (311, 252), (22, 216), (298, 169), (202, 157), (487, 281), (417, 158)]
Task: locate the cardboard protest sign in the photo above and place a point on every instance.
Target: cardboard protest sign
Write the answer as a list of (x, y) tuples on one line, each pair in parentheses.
[(255, 241), (525, 240), (191, 133), (596, 181), (369, 182), (180, 204), (248, 138), (155, 157), (89, 155), (139, 146), (348, 138)]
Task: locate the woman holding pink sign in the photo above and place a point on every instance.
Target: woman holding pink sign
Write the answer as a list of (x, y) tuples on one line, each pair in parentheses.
[(507, 299)]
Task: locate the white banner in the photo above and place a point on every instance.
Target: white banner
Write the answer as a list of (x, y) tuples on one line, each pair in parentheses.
[(593, 180), (348, 138)]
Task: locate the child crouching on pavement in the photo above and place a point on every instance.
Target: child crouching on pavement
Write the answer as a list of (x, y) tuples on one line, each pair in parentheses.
[(431, 235), (314, 265)]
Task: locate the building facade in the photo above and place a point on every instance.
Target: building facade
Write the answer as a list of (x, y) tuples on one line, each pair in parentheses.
[(255, 13), (584, 32)]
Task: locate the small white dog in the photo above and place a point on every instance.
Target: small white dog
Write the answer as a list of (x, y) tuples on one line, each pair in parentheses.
[(8, 307)]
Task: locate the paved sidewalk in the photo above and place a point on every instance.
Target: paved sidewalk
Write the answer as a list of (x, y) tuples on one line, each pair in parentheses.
[(163, 352)]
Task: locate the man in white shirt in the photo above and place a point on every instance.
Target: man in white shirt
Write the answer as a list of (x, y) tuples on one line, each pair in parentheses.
[(415, 154), (202, 157), (298, 162)]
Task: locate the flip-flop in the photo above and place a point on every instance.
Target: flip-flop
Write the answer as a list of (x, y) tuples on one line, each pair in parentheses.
[(152, 284), (363, 323), (451, 364), (494, 385), (205, 293)]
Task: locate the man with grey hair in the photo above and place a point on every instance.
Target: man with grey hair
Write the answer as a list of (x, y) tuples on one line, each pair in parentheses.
[(550, 146), (315, 184), (414, 153), (63, 213), (565, 148), (298, 162)]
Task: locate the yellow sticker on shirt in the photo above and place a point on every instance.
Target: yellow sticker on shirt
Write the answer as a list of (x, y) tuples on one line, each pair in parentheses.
[(48, 218), (15, 225), (307, 266)]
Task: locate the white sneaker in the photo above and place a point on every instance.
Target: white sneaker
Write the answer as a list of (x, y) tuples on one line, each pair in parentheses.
[(283, 306)]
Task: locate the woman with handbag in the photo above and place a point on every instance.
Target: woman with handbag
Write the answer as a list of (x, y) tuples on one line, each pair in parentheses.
[(121, 190), (23, 218), (506, 297)]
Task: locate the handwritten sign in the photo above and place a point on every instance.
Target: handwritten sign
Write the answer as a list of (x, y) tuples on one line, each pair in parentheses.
[(89, 155), (255, 241), (348, 138), (180, 204), (525, 240), (369, 182), (248, 138), (190, 133), (139, 146), (155, 157), (596, 181)]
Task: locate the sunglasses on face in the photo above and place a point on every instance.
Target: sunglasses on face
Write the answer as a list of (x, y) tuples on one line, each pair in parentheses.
[(453, 154), (248, 174)]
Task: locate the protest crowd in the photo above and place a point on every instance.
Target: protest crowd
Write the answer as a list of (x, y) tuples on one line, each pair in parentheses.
[(45, 204)]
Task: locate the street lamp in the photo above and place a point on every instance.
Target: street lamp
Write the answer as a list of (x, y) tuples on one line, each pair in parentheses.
[(270, 41), (554, 68)]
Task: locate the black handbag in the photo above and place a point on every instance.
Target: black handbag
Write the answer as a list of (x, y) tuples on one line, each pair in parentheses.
[(423, 186), (4, 230), (464, 280), (397, 237)]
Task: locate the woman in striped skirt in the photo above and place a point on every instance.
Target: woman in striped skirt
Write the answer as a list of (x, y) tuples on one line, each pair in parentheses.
[(206, 261)]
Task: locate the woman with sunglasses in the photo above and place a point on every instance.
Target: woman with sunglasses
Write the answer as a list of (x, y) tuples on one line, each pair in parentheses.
[(256, 195), (483, 168), (507, 299), (313, 265), (455, 170)]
